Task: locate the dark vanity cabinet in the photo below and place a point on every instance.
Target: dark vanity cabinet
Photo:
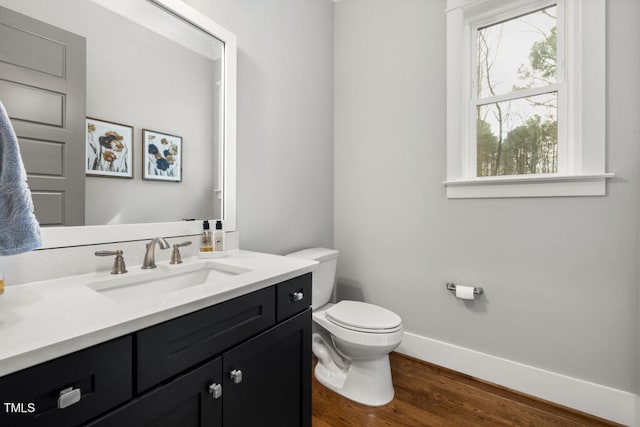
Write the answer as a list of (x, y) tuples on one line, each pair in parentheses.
[(243, 362)]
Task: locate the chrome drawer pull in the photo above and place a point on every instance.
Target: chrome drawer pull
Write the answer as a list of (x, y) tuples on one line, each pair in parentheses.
[(215, 390), (68, 397), (236, 376), (297, 296)]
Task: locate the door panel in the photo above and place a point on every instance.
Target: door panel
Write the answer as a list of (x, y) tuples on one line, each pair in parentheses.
[(17, 46), (31, 104), (43, 86)]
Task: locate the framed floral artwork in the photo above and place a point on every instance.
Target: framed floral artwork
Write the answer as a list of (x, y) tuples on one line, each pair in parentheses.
[(109, 149), (162, 156)]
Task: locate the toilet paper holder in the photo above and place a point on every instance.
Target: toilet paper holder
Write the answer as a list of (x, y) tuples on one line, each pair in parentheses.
[(477, 290)]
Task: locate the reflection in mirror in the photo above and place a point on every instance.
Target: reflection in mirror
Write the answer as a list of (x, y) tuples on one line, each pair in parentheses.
[(164, 75)]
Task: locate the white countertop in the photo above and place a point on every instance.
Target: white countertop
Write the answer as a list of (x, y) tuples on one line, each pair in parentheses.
[(40, 321)]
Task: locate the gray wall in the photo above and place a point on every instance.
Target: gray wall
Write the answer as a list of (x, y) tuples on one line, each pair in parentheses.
[(560, 274), (285, 120)]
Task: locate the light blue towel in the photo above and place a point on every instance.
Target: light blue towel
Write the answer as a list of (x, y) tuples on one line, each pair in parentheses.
[(19, 229)]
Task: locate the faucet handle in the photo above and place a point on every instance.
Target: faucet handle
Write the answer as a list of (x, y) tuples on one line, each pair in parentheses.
[(175, 255), (118, 263)]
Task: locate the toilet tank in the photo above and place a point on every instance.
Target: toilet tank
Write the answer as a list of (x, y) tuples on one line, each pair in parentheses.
[(324, 276)]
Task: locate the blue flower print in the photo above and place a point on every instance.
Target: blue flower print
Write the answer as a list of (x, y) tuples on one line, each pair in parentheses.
[(162, 164)]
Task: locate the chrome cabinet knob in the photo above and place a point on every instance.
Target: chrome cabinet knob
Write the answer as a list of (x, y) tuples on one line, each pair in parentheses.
[(297, 296), (236, 376), (68, 397), (215, 390)]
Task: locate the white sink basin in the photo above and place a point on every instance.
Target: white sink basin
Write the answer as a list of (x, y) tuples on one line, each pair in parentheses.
[(162, 280)]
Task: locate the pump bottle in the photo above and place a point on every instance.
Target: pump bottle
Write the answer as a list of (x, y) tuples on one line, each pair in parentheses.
[(218, 237), (206, 244)]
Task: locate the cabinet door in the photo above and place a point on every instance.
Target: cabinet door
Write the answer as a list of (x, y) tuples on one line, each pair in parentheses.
[(186, 401), (275, 384)]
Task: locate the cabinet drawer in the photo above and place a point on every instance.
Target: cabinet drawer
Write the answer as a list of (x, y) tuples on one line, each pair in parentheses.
[(102, 374), (169, 348), (293, 296)]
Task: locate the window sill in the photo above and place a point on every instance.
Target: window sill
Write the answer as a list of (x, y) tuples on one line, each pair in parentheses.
[(528, 186)]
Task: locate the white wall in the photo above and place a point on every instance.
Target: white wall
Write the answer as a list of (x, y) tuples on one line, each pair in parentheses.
[(560, 274), (285, 120)]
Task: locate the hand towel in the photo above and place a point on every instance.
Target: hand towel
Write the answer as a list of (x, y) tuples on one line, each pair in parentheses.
[(19, 229)]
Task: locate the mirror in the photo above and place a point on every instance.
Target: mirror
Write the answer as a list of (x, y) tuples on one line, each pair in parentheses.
[(172, 71)]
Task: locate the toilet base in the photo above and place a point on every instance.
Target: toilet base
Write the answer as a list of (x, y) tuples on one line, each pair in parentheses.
[(367, 382)]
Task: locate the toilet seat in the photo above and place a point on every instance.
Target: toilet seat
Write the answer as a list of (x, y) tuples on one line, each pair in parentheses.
[(364, 317)]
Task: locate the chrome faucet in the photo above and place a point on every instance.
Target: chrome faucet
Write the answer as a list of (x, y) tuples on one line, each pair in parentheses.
[(150, 254)]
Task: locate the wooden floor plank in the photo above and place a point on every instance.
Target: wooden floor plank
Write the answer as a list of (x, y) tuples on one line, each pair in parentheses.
[(432, 396)]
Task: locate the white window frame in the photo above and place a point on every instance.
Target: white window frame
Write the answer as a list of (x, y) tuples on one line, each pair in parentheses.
[(581, 101)]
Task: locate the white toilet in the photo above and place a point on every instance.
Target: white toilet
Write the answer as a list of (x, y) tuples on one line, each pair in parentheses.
[(352, 340)]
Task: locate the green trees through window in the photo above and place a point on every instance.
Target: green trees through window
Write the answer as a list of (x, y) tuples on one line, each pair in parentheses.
[(517, 96)]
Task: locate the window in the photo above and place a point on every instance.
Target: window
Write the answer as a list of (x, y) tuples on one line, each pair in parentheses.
[(515, 95), (525, 98)]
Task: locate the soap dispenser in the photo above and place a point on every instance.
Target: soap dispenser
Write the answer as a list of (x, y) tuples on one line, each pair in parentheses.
[(206, 244), (218, 237), (212, 246)]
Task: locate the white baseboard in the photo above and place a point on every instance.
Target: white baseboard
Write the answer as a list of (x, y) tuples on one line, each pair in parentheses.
[(601, 401)]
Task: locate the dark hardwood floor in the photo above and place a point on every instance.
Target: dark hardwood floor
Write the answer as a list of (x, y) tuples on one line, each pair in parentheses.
[(429, 395)]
